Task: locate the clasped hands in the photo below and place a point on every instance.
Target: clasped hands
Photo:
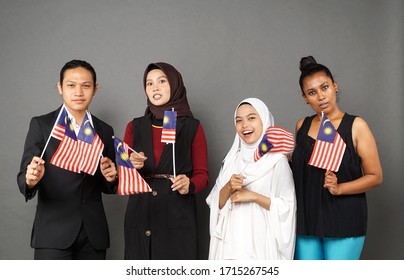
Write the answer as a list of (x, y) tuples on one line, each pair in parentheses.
[(237, 192)]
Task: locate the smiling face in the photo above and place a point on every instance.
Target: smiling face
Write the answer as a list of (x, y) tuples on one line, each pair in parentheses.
[(157, 87), (248, 124), (77, 90), (320, 92)]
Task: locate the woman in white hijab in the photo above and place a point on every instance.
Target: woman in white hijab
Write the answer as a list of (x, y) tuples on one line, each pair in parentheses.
[(253, 204)]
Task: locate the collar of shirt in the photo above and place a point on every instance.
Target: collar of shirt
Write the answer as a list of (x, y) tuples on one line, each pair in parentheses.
[(74, 123)]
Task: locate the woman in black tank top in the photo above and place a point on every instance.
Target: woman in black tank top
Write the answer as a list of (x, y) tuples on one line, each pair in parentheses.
[(331, 206)]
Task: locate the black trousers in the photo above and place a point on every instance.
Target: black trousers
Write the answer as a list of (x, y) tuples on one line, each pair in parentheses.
[(81, 249)]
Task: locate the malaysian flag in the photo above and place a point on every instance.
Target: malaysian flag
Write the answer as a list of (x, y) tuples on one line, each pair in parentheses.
[(329, 147), (58, 130), (91, 147), (263, 148), (281, 139), (130, 181), (68, 154), (169, 126), (276, 140)]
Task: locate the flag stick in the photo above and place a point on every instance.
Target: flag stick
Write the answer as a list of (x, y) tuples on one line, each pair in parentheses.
[(135, 152), (46, 145), (132, 150), (175, 175), (47, 141)]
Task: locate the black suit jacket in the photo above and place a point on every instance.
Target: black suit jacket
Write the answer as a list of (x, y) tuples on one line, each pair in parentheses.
[(66, 200)]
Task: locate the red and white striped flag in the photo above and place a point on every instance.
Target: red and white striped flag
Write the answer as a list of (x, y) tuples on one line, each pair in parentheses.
[(329, 147), (91, 147), (130, 181), (68, 155), (276, 140), (281, 139)]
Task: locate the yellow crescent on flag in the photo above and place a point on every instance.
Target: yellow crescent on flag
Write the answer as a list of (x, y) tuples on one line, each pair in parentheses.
[(117, 147)]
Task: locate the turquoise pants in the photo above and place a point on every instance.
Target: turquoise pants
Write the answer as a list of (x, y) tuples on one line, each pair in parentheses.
[(318, 248)]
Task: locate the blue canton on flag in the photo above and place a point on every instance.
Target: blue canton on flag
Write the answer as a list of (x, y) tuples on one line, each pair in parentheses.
[(70, 129), (169, 127), (86, 132), (327, 131), (91, 147), (263, 148), (122, 153), (329, 147)]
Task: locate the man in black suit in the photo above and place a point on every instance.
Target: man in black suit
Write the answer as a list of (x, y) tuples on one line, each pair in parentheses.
[(70, 221)]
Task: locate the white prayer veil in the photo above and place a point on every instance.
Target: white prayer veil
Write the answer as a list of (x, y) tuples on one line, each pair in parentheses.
[(248, 223), (240, 158)]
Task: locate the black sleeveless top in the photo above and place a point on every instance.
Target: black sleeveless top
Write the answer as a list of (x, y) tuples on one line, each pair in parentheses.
[(319, 213)]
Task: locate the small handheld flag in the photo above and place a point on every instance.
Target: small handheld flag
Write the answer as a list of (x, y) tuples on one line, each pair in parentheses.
[(91, 147), (169, 127), (329, 147), (276, 140), (68, 155), (130, 181), (169, 131), (264, 147)]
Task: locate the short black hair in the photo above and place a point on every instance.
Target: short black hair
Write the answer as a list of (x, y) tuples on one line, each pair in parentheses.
[(75, 63)]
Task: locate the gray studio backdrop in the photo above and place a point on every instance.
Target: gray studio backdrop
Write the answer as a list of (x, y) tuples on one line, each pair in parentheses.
[(226, 50)]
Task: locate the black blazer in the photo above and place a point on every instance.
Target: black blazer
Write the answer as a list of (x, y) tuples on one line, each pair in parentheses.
[(66, 200)]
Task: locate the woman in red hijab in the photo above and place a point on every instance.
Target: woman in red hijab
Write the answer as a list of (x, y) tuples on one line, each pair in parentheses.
[(162, 224)]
